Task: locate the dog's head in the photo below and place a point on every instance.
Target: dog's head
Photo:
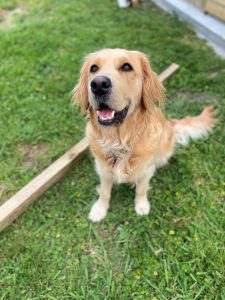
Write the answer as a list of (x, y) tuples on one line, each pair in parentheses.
[(114, 82)]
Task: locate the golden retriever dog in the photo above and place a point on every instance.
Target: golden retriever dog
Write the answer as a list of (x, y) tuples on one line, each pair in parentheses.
[(128, 134)]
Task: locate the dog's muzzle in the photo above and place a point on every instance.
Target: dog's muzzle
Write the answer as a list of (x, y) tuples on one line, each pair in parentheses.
[(101, 87)]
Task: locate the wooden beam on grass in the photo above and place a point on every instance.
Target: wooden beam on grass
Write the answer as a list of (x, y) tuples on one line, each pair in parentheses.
[(165, 75), (18, 203)]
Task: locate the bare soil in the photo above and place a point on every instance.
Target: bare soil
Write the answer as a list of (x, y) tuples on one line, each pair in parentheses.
[(6, 16), (31, 153)]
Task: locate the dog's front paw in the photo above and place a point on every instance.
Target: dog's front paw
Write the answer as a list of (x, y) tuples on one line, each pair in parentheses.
[(142, 206), (98, 211)]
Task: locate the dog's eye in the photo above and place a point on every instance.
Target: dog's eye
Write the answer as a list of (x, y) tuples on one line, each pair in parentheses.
[(94, 68), (126, 67)]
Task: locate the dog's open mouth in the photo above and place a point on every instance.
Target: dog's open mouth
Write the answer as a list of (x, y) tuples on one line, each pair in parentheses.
[(108, 116)]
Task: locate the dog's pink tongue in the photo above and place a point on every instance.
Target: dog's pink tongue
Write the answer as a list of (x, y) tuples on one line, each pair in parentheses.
[(105, 114)]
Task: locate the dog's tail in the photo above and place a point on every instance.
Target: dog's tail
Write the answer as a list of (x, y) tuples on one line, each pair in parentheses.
[(193, 127)]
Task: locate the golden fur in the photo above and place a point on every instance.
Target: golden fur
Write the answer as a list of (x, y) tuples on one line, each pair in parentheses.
[(133, 150)]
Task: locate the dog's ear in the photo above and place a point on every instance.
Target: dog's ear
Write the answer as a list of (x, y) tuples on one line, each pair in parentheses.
[(152, 90), (80, 92)]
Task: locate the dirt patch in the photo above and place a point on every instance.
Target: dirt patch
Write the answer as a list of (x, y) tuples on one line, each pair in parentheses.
[(31, 153), (197, 96), (214, 74), (6, 16)]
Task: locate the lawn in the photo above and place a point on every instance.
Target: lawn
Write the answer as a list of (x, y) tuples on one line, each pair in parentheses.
[(52, 251)]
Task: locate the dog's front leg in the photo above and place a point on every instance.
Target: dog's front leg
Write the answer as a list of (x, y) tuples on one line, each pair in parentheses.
[(142, 205), (100, 207)]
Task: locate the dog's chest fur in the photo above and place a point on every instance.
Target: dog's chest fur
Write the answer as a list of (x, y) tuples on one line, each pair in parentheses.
[(118, 156), (114, 148)]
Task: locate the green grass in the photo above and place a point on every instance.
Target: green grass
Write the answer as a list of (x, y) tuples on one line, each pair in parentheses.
[(52, 251)]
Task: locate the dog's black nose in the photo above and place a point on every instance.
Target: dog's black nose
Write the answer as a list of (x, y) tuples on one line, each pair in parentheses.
[(101, 85)]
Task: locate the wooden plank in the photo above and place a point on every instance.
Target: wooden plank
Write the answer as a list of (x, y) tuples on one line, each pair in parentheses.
[(198, 3), (16, 205), (165, 75), (221, 2), (216, 9)]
